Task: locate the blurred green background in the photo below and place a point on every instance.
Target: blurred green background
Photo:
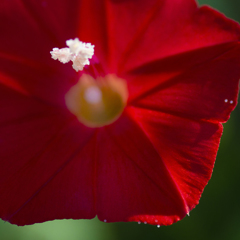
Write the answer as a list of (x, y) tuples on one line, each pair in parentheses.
[(217, 217)]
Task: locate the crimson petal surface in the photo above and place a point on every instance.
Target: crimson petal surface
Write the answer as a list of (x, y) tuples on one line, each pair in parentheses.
[(181, 64)]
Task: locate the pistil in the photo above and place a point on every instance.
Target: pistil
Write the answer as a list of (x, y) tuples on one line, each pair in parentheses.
[(99, 102)]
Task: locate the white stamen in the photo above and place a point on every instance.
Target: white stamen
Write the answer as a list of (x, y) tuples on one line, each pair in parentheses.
[(63, 55), (226, 100), (79, 62), (93, 94), (78, 52)]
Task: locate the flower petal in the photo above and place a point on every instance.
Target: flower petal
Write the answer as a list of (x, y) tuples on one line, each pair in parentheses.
[(180, 26), (40, 81), (28, 39), (152, 164), (64, 190), (93, 28), (28, 27), (205, 91), (39, 145), (187, 148), (126, 23), (135, 178)]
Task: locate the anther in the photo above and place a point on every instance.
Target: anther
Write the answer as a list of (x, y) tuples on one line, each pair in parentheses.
[(78, 52)]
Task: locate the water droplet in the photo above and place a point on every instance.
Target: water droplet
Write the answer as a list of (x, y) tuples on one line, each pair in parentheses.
[(105, 220), (156, 220), (139, 222), (158, 226), (145, 222), (231, 102), (226, 100)]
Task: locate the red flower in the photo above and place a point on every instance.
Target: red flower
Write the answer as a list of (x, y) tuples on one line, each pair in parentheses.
[(181, 64)]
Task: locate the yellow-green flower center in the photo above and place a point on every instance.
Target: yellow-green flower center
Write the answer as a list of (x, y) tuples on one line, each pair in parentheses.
[(99, 102)]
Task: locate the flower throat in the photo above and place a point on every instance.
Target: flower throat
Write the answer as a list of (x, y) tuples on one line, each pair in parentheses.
[(95, 102)]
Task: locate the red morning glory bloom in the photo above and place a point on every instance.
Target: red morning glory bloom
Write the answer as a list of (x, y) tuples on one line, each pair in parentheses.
[(131, 137)]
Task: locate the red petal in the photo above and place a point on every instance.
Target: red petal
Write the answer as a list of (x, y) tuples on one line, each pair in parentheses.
[(126, 23), (148, 165), (35, 25), (39, 149), (131, 177), (156, 170), (38, 80), (62, 182), (28, 39), (180, 26), (93, 28), (205, 91)]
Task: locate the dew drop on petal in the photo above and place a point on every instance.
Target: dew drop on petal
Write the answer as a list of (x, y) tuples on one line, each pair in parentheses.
[(145, 222), (105, 220), (226, 100), (158, 226), (139, 222), (231, 102)]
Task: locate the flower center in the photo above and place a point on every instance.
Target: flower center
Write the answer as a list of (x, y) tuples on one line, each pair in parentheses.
[(99, 102), (95, 102)]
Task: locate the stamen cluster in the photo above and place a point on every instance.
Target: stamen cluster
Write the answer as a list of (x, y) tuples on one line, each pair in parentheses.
[(78, 52)]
